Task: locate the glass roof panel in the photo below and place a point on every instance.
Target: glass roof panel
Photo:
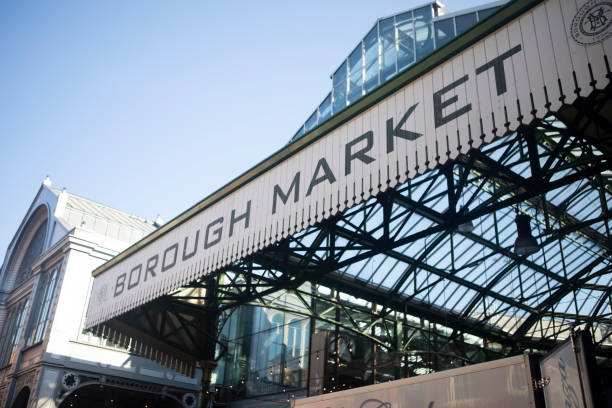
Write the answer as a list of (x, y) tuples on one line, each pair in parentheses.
[(392, 45)]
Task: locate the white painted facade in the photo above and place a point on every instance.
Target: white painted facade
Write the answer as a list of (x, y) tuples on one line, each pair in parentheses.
[(79, 235)]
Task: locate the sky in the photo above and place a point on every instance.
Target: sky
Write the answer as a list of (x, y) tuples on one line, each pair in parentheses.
[(150, 106)]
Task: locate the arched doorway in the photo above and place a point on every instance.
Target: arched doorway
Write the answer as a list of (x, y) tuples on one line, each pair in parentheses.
[(21, 401)]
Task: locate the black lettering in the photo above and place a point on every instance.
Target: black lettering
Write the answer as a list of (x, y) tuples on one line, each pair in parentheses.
[(284, 197), (398, 131), (217, 232), (498, 69), (349, 156), (131, 283), (165, 265), (195, 246), (120, 283), (245, 216), (150, 269), (328, 175), (439, 105)]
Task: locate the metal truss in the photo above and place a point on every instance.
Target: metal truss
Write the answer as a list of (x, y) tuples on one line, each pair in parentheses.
[(532, 164), (427, 271)]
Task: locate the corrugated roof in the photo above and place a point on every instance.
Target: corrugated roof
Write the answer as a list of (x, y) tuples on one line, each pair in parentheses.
[(84, 213)]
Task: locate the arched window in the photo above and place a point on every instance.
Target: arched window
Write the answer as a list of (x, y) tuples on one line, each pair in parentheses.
[(27, 250), (32, 253)]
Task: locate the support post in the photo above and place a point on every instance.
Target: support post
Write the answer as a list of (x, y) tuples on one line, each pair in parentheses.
[(397, 346), (209, 343), (207, 367)]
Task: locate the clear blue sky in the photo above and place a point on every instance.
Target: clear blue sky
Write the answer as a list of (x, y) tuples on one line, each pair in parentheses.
[(149, 106)]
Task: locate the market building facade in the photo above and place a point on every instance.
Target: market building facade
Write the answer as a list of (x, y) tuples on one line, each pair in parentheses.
[(47, 359)]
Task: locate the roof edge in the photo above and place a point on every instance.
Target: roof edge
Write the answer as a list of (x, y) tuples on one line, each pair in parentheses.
[(452, 48)]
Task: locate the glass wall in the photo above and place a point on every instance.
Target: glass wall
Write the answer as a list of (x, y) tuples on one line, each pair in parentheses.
[(392, 45), (266, 352)]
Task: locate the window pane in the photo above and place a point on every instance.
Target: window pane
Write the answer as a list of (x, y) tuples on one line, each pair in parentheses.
[(425, 13), (355, 71), (299, 133), (405, 40), (45, 310), (423, 32), (482, 14), (6, 336), (370, 43), (36, 308), (325, 108), (387, 36), (11, 331), (312, 121), (290, 337), (465, 21), (339, 95), (444, 31), (21, 321)]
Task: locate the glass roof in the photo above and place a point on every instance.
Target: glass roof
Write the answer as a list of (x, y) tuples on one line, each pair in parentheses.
[(392, 45), (474, 274)]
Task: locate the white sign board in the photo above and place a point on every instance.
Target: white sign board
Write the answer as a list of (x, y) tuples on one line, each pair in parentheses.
[(566, 376), (503, 383), (524, 70)]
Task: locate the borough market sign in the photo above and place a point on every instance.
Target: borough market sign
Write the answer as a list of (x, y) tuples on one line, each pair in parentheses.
[(548, 56)]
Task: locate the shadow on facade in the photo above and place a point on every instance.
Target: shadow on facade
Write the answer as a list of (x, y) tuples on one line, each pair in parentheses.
[(102, 396)]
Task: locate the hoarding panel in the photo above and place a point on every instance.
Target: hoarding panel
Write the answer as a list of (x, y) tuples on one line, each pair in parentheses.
[(501, 384), (564, 370)]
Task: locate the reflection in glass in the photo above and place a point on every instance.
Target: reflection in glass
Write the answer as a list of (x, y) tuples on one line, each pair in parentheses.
[(370, 43), (339, 89), (387, 36), (405, 40), (444, 31), (464, 22), (267, 351), (355, 74), (312, 121), (392, 45), (423, 31), (299, 133), (482, 14), (325, 108)]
